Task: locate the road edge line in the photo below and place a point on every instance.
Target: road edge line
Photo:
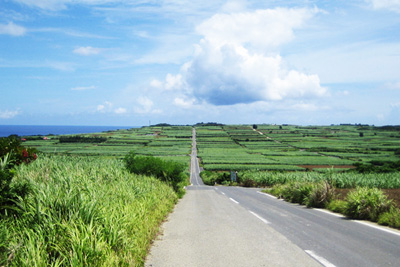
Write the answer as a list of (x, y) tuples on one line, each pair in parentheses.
[(320, 259)]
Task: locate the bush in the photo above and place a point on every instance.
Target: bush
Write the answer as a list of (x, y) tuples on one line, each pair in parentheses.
[(170, 172), (367, 204), (12, 153), (337, 205), (390, 218), (295, 192), (212, 178), (321, 194), (17, 153)]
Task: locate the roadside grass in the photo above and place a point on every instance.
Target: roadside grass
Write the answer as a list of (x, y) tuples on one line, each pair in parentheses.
[(361, 203), (81, 213)]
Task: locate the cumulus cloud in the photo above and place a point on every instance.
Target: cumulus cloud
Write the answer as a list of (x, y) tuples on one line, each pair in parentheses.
[(9, 114), (184, 102), (145, 105), (261, 29), (393, 5), (87, 51), (12, 29), (237, 60)]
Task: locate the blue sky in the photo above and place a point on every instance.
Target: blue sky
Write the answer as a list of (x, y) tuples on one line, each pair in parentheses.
[(128, 63)]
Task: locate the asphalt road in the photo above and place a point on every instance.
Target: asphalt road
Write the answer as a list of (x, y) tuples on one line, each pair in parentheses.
[(233, 226)]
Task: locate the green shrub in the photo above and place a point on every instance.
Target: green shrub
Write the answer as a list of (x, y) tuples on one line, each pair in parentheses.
[(12, 154), (390, 218), (337, 205), (321, 194), (17, 153), (366, 204), (212, 178), (276, 190), (295, 192), (170, 172)]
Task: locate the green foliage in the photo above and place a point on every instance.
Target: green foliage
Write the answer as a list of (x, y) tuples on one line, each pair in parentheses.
[(337, 205), (390, 218), (212, 178), (83, 212), (366, 204), (321, 194), (338, 179), (17, 153), (170, 172), (12, 153), (377, 166), (294, 192)]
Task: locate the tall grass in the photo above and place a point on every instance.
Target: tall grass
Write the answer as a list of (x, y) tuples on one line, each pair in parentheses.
[(83, 212), (339, 180)]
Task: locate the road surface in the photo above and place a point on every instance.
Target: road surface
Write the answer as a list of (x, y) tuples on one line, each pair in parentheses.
[(233, 226)]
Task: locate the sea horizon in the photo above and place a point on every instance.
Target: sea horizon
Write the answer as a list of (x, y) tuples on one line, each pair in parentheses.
[(28, 130)]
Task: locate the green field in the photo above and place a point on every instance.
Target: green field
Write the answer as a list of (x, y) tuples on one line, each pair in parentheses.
[(240, 147), (84, 208), (165, 142)]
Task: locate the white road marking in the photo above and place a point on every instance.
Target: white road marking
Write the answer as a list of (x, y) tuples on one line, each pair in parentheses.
[(223, 193), (378, 227), (259, 217), (268, 195), (330, 213), (234, 200), (320, 259)]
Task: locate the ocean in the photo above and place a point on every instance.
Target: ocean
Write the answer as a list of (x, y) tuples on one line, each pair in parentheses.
[(24, 130)]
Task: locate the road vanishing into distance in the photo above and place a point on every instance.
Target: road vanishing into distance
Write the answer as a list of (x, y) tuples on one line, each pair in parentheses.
[(234, 226)]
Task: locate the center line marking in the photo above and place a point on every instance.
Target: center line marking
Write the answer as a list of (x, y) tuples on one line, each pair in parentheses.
[(320, 259), (259, 217), (234, 200)]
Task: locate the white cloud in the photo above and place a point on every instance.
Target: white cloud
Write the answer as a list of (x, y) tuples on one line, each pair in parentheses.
[(120, 111), (184, 103), (237, 61), (45, 4), (12, 29), (173, 81), (105, 107), (393, 5), (55, 5), (145, 106), (9, 114), (87, 51), (261, 29), (83, 88), (156, 83)]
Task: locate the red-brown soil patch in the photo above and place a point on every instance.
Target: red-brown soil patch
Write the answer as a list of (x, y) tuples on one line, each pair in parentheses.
[(311, 167), (393, 194)]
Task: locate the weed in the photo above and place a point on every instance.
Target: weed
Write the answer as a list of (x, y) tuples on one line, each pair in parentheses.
[(366, 204), (390, 218)]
